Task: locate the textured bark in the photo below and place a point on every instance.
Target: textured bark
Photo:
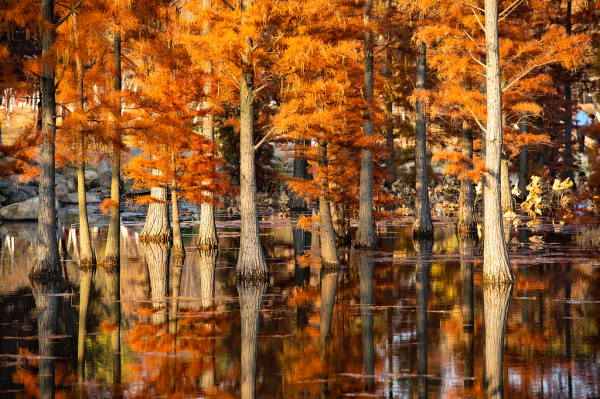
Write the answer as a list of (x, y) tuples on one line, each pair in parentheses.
[(157, 259), (46, 255), (505, 190), (113, 289), (157, 227), (329, 255), (523, 159), (423, 225), (298, 236), (389, 128), (46, 304), (297, 203), (366, 264), (85, 279), (329, 283), (496, 301), (467, 253), (365, 235), (568, 154), (467, 223), (423, 250), (341, 225), (251, 296), (496, 265), (207, 260), (177, 249), (112, 254)]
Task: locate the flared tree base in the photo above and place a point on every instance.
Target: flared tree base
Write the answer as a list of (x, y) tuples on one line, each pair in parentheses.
[(327, 267), (466, 230), (343, 240), (86, 264), (162, 238), (253, 277), (43, 275), (422, 233)]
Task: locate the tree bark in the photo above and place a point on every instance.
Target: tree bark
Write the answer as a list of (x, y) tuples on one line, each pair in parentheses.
[(112, 254), (496, 265), (46, 263), (423, 225), (329, 255), (340, 225), (178, 250), (496, 301), (505, 191), (297, 203), (157, 227), (467, 224), (84, 299), (157, 259), (423, 250), (46, 304), (568, 154), (467, 253), (523, 159), (251, 296), (365, 235), (389, 131), (366, 264)]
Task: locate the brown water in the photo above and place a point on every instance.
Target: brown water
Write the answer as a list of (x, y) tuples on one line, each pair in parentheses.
[(406, 321)]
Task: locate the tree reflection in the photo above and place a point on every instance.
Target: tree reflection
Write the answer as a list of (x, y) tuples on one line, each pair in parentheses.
[(423, 250), (329, 283), (113, 288), (366, 264), (467, 252), (157, 259), (251, 296), (85, 278), (496, 301)]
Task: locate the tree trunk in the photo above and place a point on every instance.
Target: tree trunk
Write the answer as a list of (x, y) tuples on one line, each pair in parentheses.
[(340, 225), (177, 249), (366, 264), (46, 263), (251, 259), (46, 304), (176, 284), (329, 282), (206, 262), (505, 191), (251, 296), (84, 299), (568, 154), (523, 159), (157, 259), (423, 250), (423, 225), (297, 203), (467, 224), (389, 131), (496, 301), (496, 265), (329, 255), (112, 254), (365, 235), (467, 254), (157, 227)]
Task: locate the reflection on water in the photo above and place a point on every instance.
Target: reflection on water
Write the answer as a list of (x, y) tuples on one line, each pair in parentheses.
[(410, 320)]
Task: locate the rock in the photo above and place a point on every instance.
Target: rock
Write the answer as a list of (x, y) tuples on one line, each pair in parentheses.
[(72, 185), (2, 200), (4, 184), (61, 191), (59, 179), (18, 196), (283, 199), (7, 192), (26, 210), (73, 198), (91, 179), (30, 191), (21, 230)]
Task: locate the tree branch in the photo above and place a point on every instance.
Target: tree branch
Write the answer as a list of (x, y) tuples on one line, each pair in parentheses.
[(59, 23), (525, 73)]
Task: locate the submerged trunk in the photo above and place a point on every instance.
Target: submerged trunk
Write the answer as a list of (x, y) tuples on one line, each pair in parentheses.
[(84, 299), (251, 296), (496, 301), (467, 254), (112, 255), (423, 249), (366, 264), (46, 304), (329, 255), (505, 191), (423, 225), (157, 227), (365, 235), (177, 249), (157, 259), (46, 255), (467, 223), (496, 265)]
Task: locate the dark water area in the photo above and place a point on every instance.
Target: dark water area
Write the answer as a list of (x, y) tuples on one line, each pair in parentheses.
[(411, 320)]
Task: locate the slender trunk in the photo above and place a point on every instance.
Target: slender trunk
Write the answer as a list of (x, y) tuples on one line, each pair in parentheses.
[(46, 304), (423, 225), (177, 249), (467, 224), (496, 301), (176, 284), (46, 263), (505, 191), (329, 283), (297, 203), (251, 296), (252, 264), (569, 119), (157, 259), (84, 299), (157, 227), (112, 254), (113, 289), (496, 265), (366, 264), (365, 235), (523, 159), (389, 131), (423, 249), (467, 253), (329, 255)]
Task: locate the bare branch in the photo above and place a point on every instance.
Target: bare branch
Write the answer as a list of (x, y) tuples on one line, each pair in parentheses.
[(59, 23)]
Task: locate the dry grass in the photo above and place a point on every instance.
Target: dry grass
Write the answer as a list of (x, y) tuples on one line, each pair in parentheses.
[(19, 117)]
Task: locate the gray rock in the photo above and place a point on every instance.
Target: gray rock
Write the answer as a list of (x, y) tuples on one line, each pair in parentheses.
[(18, 196), (30, 191), (2, 200), (62, 190), (72, 185), (91, 179), (26, 210), (4, 184), (58, 179), (73, 198), (7, 192)]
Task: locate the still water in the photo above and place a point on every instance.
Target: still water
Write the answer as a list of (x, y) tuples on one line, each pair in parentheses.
[(409, 321)]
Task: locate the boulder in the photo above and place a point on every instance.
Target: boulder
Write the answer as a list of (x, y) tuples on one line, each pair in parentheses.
[(26, 210), (61, 191), (18, 196), (7, 192), (73, 198), (2, 200), (30, 191), (59, 179), (72, 185), (4, 184)]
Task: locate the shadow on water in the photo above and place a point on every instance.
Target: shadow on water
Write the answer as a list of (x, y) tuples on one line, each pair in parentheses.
[(409, 320)]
